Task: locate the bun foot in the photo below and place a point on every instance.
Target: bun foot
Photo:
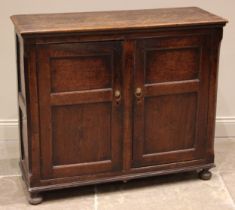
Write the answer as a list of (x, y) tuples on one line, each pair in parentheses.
[(35, 198), (205, 174)]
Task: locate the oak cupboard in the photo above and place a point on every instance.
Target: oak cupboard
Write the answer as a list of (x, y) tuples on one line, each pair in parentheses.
[(108, 96)]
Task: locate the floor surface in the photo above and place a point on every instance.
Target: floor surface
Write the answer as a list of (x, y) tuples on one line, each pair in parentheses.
[(171, 192)]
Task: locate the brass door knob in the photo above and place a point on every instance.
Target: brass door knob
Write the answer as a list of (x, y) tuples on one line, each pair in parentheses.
[(138, 92), (117, 95)]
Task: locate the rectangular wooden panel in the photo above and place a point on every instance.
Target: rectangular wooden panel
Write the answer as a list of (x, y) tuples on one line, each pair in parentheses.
[(22, 66), (82, 132), (183, 65), (82, 72), (23, 135), (170, 122)]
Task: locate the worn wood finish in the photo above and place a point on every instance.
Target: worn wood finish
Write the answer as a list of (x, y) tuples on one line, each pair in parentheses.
[(169, 121), (113, 96), (80, 113), (93, 21)]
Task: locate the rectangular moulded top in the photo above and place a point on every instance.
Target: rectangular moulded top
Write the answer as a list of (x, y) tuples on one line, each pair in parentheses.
[(114, 20)]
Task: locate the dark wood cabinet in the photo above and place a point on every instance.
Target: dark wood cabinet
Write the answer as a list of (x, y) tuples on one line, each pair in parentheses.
[(108, 96)]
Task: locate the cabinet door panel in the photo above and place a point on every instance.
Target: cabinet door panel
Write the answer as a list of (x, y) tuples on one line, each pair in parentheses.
[(73, 138), (164, 118), (80, 118), (159, 69), (170, 109), (92, 72)]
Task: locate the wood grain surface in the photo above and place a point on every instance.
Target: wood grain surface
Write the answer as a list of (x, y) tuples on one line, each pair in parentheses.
[(133, 19)]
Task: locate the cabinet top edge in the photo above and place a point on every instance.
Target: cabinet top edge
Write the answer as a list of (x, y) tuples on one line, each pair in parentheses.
[(114, 20)]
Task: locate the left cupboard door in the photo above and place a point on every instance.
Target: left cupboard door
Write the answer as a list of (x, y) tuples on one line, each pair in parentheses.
[(80, 107)]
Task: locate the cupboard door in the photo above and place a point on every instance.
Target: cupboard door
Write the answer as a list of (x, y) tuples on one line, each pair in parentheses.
[(170, 102), (80, 100)]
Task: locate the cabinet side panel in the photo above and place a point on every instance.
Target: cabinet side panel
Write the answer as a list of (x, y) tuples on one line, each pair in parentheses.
[(28, 116), (23, 136), (17, 44), (216, 37), (31, 110)]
